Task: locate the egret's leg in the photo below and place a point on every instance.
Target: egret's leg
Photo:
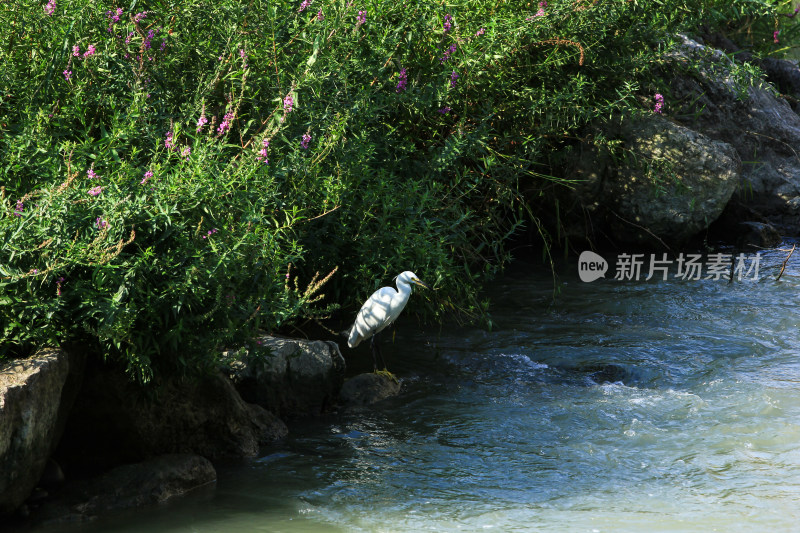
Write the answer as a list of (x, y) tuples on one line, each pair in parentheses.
[(376, 353)]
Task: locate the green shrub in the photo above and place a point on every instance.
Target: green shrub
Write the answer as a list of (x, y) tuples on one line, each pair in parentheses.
[(164, 163)]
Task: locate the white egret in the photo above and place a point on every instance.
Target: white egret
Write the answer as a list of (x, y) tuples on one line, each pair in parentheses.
[(380, 310)]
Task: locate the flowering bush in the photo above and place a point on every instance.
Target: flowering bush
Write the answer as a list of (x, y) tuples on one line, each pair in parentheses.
[(163, 169)]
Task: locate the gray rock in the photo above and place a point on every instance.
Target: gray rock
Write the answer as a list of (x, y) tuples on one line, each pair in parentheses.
[(678, 182), (366, 389), (30, 399), (116, 421), (135, 485), (670, 187), (756, 235), (757, 122), (289, 377)]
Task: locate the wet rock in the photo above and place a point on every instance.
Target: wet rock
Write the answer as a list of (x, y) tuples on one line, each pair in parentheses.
[(289, 377), (756, 236), (366, 389), (135, 485), (31, 392), (116, 421)]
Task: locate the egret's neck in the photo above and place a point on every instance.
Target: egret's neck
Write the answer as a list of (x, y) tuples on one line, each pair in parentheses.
[(404, 289)]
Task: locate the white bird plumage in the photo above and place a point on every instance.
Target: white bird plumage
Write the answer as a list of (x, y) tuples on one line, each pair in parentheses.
[(382, 308)]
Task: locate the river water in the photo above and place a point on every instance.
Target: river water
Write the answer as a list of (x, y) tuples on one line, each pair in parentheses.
[(615, 406)]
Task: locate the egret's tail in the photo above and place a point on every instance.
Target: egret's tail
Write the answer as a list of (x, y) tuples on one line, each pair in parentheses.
[(353, 338)]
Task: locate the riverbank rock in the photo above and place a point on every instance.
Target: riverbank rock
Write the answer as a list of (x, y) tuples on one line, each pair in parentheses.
[(289, 377), (116, 421), (760, 125), (35, 395), (136, 485), (366, 389), (672, 183)]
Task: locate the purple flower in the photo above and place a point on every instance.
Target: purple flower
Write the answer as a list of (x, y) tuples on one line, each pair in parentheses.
[(150, 35), (58, 285), (480, 32), (304, 5), (361, 19), (448, 22), (210, 233), (163, 45), (262, 154), (50, 8), (402, 80), (91, 173), (659, 103), (288, 102), (147, 176), (444, 110), (305, 141), (225, 125), (140, 16), (320, 16), (775, 36), (19, 208), (89, 52), (94, 191), (187, 151), (168, 144), (453, 78), (100, 223), (202, 121), (67, 74), (447, 53), (128, 38), (76, 51)]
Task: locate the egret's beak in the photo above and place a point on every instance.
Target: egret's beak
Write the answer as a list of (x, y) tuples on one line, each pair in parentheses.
[(417, 281)]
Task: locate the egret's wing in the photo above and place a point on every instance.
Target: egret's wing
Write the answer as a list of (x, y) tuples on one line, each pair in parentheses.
[(375, 314)]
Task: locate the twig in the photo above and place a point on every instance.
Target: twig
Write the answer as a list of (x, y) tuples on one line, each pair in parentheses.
[(783, 266)]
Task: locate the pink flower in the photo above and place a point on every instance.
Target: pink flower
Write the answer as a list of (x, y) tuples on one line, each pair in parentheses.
[(76, 51), (186, 152), (304, 5), (91, 173), (67, 74), (100, 223), (305, 141), (147, 176), (775, 36), (168, 141), (659, 103), (320, 16), (262, 154), (225, 125), (480, 32), (202, 121), (89, 52), (50, 8), (288, 102), (361, 19), (19, 208), (94, 191)]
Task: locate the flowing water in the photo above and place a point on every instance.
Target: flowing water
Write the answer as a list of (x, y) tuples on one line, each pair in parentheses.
[(617, 406)]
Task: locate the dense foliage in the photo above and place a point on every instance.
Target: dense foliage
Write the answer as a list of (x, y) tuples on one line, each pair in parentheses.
[(174, 173)]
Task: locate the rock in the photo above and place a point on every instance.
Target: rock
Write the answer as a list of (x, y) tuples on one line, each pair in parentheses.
[(368, 388), (31, 393), (672, 184), (116, 421), (678, 182), (289, 377), (756, 236), (134, 485), (756, 121)]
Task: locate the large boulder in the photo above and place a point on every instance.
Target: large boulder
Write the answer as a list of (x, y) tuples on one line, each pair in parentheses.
[(365, 389), (32, 409), (289, 377), (759, 123), (135, 485), (116, 421), (672, 183)]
